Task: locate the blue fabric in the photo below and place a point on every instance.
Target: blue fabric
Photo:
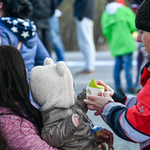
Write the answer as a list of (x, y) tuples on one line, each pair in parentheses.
[(124, 61), (32, 49), (24, 29), (78, 7), (32, 101), (119, 97), (56, 39)]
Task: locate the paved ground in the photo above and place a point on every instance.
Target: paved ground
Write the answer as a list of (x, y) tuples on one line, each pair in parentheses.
[(104, 70)]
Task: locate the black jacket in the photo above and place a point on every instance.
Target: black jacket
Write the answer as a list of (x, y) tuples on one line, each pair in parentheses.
[(84, 8), (42, 11)]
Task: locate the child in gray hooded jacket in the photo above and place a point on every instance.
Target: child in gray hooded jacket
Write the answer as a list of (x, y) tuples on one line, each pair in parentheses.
[(65, 123)]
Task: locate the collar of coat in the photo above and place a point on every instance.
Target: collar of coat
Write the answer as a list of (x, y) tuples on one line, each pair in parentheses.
[(145, 73)]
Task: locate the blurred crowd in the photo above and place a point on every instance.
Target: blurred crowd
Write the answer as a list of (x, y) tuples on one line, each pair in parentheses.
[(28, 28), (47, 24)]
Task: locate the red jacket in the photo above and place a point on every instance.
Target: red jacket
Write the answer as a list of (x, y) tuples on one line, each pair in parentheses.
[(131, 121)]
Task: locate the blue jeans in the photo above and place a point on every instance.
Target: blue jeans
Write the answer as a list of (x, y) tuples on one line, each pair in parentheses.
[(123, 62), (55, 38)]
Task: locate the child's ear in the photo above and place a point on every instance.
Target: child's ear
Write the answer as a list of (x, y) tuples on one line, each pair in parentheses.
[(48, 61)]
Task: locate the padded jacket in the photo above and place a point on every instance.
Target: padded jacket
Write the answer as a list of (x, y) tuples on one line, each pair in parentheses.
[(60, 131)]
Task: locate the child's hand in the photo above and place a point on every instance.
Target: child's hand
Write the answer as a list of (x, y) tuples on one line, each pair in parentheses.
[(75, 120), (106, 136), (106, 87), (82, 95)]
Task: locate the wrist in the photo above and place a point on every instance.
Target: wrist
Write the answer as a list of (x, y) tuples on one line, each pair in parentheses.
[(112, 93)]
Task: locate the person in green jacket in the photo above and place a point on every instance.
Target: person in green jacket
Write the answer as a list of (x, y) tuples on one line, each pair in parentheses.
[(118, 24)]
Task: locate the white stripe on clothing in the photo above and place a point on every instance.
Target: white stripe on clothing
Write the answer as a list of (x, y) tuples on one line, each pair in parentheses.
[(130, 132)]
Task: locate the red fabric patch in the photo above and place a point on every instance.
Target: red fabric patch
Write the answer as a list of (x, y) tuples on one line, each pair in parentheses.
[(145, 76), (139, 119), (144, 94)]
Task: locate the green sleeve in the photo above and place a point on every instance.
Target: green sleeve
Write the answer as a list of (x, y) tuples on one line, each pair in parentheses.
[(130, 15)]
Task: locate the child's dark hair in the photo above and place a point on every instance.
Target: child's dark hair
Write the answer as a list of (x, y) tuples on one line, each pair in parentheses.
[(14, 88), (17, 8)]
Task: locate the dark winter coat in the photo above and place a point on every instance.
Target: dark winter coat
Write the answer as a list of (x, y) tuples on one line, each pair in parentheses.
[(84, 8), (42, 11), (59, 130)]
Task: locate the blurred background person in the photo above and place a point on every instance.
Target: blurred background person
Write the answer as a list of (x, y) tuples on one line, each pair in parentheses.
[(55, 37), (118, 24), (42, 11), (141, 57), (121, 2), (20, 32), (135, 4), (84, 13), (20, 121)]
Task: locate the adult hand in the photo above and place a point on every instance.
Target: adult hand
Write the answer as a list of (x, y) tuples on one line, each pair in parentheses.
[(106, 136), (97, 102), (106, 88)]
